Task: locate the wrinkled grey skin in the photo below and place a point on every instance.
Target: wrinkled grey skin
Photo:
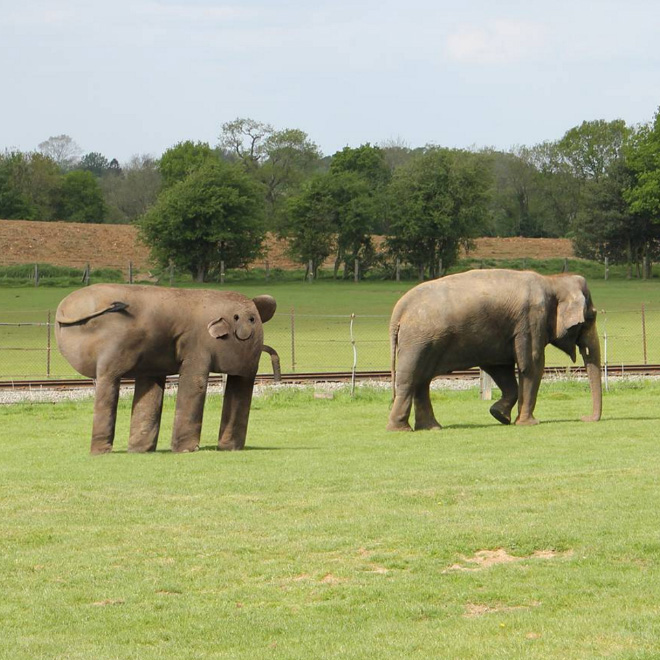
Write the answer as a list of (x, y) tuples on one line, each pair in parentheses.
[(496, 320), (110, 331)]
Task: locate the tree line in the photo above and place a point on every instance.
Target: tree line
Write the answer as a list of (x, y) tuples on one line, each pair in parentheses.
[(201, 207)]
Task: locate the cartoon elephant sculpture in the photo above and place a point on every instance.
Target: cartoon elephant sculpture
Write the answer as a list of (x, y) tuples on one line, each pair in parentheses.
[(110, 331), (497, 320)]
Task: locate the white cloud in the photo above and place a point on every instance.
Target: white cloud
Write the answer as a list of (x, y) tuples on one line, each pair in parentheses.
[(499, 42)]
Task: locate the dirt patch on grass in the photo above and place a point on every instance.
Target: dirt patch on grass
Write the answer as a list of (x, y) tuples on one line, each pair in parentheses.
[(474, 610), (486, 558), (75, 244)]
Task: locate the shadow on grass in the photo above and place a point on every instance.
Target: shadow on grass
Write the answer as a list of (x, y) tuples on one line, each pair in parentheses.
[(208, 448)]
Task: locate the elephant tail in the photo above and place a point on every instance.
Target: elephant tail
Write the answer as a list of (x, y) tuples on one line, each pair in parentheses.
[(65, 320), (394, 345), (275, 359)]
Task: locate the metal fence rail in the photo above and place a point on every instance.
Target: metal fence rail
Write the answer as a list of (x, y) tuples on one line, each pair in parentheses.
[(322, 343)]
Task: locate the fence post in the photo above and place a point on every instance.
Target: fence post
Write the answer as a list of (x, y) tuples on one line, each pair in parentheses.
[(48, 344), (171, 272), (398, 269), (607, 384), (644, 333), (565, 269), (440, 268), (485, 386), (85, 277), (293, 340), (354, 357), (310, 271), (267, 270), (222, 272), (130, 272), (607, 268), (356, 271), (36, 274)]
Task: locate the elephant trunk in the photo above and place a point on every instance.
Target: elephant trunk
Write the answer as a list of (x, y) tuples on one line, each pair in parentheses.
[(590, 350)]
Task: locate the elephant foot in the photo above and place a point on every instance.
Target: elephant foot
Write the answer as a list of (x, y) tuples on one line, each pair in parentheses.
[(591, 418), (428, 426), (185, 450), (398, 426), (185, 446), (100, 448), (137, 449), (501, 415), (526, 421)]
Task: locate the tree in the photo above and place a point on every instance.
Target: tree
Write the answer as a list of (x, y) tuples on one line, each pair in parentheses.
[(131, 190), (182, 159), (644, 160), (590, 148), (80, 198), (366, 160), (213, 215), (94, 162), (437, 203), (643, 194), (28, 186), (290, 158), (14, 202), (311, 227), (61, 149), (245, 139)]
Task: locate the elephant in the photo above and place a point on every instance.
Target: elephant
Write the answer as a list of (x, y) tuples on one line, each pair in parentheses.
[(495, 319), (110, 331)]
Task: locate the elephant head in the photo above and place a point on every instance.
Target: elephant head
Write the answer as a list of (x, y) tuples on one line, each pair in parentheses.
[(574, 325), (241, 323)]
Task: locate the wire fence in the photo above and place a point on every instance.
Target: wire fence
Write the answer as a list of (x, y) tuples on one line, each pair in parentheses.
[(310, 343)]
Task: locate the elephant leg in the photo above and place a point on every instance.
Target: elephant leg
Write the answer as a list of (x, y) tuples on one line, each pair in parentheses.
[(105, 413), (530, 372), (424, 418), (402, 405), (189, 413), (146, 413), (235, 413), (505, 378)]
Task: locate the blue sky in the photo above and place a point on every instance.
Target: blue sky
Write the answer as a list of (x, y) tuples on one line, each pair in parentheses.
[(136, 76)]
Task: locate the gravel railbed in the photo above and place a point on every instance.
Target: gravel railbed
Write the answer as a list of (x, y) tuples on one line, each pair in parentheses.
[(53, 395)]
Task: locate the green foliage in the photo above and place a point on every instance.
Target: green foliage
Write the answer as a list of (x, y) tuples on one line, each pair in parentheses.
[(182, 159), (437, 203), (55, 276), (94, 162), (644, 158), (213, 215), (367, 161), (311, 227), (29, 184), (80, 198), (331, 538), (131, 190)]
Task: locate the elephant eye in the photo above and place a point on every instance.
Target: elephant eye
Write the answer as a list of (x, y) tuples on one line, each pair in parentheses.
[(235, 317), (252, 319)]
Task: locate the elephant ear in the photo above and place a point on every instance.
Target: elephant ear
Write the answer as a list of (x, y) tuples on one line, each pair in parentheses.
[(266, 307), (570, 312), (218, 328)]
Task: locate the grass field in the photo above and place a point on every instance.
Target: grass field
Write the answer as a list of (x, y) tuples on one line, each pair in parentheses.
[(330, 538), (321, 324)]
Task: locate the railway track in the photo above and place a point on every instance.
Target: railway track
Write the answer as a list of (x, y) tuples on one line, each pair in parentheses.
[(321, 377)]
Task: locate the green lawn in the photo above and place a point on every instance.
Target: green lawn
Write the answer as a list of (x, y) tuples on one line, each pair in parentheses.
[(331, 538), (321, 324)]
